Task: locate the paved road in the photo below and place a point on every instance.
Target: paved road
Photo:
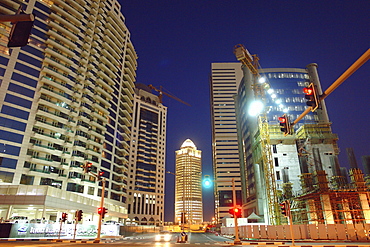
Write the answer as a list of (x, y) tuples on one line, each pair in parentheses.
[(194, 240)]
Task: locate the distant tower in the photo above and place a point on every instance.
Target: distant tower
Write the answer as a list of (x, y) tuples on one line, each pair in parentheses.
[(366, 164), (147, 159), (188, 192), (351, 158), (225, 80)]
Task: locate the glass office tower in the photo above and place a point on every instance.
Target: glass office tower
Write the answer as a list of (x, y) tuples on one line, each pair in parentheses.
[(292, 155)]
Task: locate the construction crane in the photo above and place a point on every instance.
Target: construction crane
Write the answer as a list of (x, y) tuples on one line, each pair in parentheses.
[(252, 63), (161, 92)]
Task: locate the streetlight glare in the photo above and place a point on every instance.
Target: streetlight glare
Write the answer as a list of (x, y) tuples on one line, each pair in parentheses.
[(255, 108), (262, 80)]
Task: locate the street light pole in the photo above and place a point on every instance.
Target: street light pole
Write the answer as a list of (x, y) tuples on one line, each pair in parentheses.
[(236, 240)]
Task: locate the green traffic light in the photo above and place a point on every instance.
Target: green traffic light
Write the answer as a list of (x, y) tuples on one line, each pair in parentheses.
[(207, 182)]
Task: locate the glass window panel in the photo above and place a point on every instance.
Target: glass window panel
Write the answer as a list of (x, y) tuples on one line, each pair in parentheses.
[(11, 111)]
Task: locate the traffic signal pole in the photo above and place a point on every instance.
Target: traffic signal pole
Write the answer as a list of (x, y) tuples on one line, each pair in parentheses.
[(15, 18), (97, 240), (236, 240), (290, 222), (355, 66)]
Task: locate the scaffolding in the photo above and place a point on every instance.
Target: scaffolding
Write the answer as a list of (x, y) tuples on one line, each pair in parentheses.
[(319, 204)]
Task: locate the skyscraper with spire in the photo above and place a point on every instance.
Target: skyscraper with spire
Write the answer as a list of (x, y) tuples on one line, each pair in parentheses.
[(188, 190)]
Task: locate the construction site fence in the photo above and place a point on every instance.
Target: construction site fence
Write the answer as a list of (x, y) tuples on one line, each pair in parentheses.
[(352, 232)]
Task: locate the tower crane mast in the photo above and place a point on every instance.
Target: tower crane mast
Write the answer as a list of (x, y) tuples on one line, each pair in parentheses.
[(252, 63)]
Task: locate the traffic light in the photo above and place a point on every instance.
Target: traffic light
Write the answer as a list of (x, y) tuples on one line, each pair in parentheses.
[(312, 96), (78, 215), (284, 210), (20, 33), (207, 182), (235, 212), (100, 174), (285, 125), (64, 217), (102, 211), (88, 167)]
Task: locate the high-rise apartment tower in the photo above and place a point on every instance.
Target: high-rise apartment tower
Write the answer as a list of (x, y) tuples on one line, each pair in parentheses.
[(65, 101)]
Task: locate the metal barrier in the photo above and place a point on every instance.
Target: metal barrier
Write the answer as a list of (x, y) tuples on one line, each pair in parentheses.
[(352, 232)]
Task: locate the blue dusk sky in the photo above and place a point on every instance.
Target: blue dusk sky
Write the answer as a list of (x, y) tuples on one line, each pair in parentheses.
[(176, 42)]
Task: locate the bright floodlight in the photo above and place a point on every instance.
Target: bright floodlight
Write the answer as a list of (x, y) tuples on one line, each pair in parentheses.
[(270, 91), (278, 101), (255, 108), (285, 110), (262, 80)]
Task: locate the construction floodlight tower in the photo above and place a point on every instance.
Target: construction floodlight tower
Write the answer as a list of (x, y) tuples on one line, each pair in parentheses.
[(259, 86)]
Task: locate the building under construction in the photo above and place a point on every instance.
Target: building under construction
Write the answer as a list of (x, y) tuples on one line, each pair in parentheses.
[(273, 165)]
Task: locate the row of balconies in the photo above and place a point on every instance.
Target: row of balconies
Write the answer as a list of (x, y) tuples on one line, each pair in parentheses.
[(63, 118), (57, 84), (67, 12), (115, 27), (71, 9), (54, 126), (62, 39)]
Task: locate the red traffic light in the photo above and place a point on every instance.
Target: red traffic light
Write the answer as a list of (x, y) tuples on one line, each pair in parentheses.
[(235, 212), (88, 167), (282, 119), (308, 90), (283, 207), (286, 127), (64, 217), (312, 96), (102, 211)]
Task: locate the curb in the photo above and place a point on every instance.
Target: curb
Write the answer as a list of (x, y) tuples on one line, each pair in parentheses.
[(60, 240)]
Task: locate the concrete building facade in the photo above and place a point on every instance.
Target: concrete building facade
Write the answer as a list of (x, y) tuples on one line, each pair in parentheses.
[(225, 80), (147, 159)]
